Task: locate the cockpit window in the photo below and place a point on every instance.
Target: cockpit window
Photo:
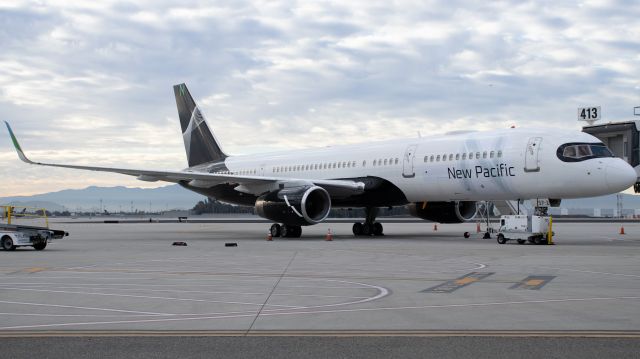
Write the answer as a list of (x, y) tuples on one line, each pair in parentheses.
[(574, 152)]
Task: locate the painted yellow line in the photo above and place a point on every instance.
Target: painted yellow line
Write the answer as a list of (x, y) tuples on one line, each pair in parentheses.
[(34, 269), (534, 282), (330, 333), (466, 280)]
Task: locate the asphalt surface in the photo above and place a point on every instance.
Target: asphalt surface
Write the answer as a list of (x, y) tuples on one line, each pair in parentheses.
[(339, 298), (319, 347)]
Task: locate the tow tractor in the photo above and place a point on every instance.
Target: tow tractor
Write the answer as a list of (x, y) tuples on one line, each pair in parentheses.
[(18, 235)]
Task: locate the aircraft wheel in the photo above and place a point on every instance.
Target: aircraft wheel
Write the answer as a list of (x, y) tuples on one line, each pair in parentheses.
[(7, 243), (378, 229), (276, 230), (367, 229), (285, 231), (357, 229), (501, 239)]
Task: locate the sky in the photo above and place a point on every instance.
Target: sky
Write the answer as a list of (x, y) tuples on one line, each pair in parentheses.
[(90, 82)]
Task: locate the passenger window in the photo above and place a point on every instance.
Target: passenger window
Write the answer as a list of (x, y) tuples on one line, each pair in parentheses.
[(374, 163), (385, 161), (444, 158), (457, 156), (438, 158), (484, 154), (477, 155), (491, 154), (431, 158), (344, 164), (464, 156), (499, 154), (353, 164), (451, 157), (364, 163), (396, 161)]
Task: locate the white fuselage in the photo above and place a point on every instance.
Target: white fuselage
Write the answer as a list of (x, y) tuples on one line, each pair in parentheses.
[(494, 165)]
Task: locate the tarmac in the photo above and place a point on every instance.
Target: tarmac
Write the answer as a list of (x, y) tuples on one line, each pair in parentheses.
[(127, 280)]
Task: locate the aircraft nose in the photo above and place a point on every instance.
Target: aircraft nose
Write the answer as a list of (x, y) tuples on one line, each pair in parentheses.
[(620, 176)]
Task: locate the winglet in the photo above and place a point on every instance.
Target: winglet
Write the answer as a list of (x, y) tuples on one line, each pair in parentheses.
[(17, 145)]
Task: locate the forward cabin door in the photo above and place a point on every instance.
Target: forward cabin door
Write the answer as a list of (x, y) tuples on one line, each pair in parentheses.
[(531, 162), (407, 162)]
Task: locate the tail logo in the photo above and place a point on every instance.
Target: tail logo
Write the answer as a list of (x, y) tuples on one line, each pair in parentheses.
[(182, 90)]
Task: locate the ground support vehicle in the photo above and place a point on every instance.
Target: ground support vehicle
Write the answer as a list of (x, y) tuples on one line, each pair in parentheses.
[(523, 228), (17, 235)]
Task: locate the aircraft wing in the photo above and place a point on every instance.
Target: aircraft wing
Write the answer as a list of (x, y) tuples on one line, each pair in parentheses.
[(249, 184)]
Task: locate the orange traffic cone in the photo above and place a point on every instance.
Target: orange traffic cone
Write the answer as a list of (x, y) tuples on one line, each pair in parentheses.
[(329, 236), (478, 230), (269, 236), (622, 230), (435, 227)]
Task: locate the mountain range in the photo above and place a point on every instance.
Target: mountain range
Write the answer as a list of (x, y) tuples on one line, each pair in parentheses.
[(113, 199)]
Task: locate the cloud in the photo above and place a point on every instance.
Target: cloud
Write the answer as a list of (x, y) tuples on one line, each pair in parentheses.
[(90, 82)]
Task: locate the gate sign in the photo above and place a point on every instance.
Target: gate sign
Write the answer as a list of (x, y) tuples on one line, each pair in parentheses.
[(589, 114)]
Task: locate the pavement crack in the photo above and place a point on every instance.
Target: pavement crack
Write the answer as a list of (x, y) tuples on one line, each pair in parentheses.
[(270, 293)]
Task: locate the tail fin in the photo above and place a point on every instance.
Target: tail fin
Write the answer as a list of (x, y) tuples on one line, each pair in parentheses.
[(199, 142)]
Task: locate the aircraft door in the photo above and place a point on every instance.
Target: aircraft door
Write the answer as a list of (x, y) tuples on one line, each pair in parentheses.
[(407, 162), (531, 162)]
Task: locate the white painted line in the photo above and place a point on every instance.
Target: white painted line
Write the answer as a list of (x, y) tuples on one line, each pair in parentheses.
[(594, 272), (444, 306), (83, 308), (98, 287), (148, 297), (75, 315)]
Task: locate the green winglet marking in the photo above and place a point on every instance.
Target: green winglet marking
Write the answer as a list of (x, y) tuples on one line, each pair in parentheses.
[(13, 137), (182, 90)]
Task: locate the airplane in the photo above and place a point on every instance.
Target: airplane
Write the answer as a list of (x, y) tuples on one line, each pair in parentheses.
[(440, 178)]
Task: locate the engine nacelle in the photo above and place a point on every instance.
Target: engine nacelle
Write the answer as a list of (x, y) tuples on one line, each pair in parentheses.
[(299, 206), (444, 212)]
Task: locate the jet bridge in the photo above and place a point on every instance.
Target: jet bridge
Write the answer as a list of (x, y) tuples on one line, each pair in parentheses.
[(623, 139)]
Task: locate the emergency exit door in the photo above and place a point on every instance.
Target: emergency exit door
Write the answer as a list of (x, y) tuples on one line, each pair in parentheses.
[(531, 162), (407, 162)]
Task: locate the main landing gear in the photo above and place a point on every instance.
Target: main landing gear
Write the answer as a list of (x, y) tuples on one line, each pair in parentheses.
[(285, 230), (370, 227)]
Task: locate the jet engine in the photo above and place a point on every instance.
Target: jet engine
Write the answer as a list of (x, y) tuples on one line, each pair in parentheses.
[(444, 212), (300, 206)]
